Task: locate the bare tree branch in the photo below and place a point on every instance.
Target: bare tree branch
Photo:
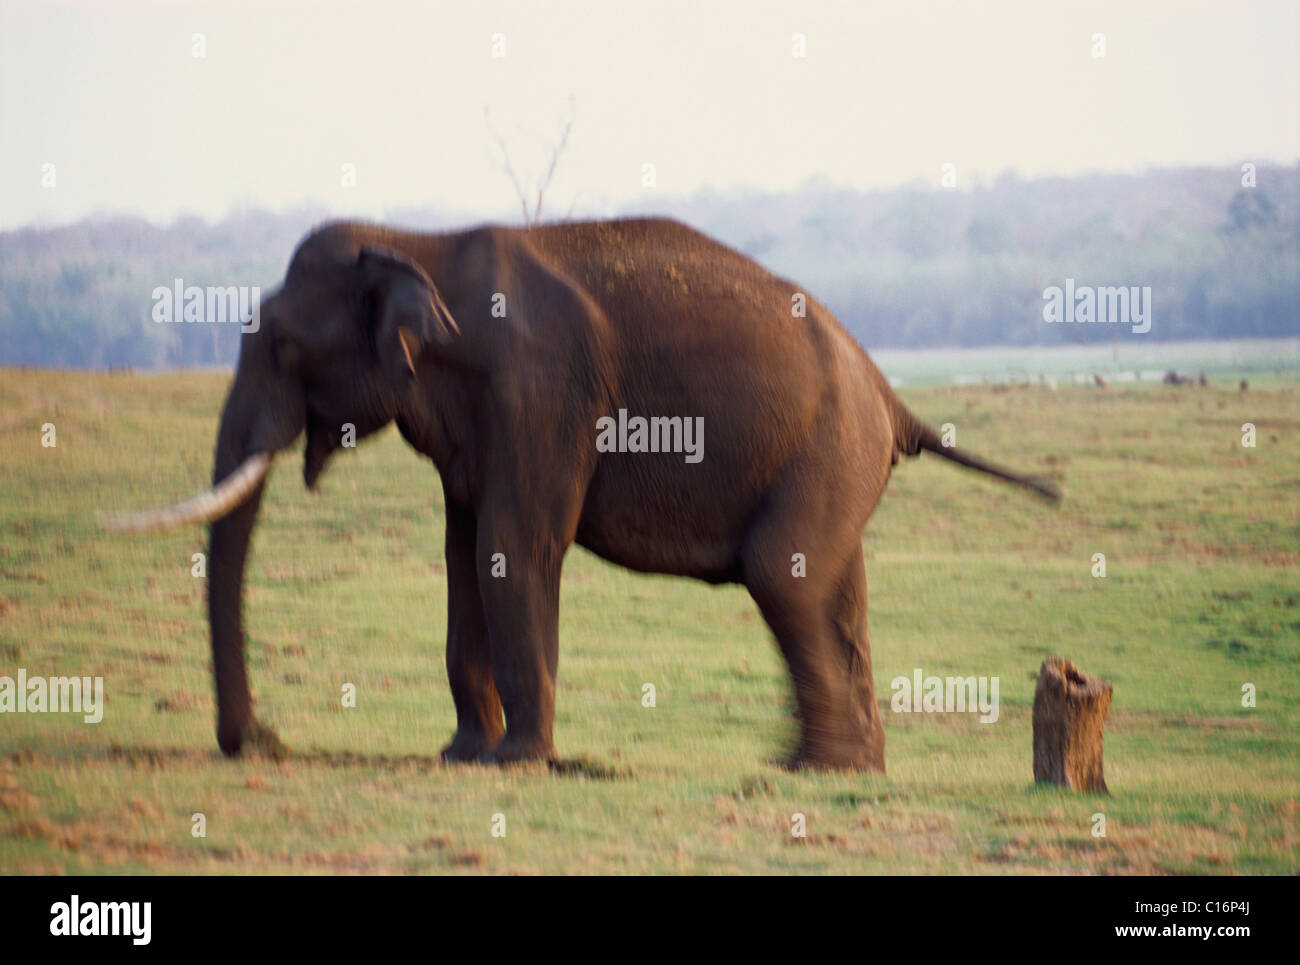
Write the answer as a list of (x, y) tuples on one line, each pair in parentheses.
[(506, 165), (555, 159), (545, 182)]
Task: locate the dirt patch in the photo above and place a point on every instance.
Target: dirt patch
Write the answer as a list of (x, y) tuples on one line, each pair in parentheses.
[(585, 767), (1250, 725), (1205, 552), (161, 758), (1132, 720), (16, 799), (178, 701), (144, 809), (156, 757), (917, 824), (351, 760), (23, 577), (31, 828)]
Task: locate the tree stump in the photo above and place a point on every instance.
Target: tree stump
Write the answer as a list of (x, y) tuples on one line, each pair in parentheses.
[(1070, 709)]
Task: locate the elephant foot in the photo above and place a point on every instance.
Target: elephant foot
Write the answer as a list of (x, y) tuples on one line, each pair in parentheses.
[(518, 750), (863, 750), (253, 739), (468, 746), (821, 761)]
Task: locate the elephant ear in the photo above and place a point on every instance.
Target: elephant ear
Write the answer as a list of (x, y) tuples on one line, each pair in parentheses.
[(408, 314)]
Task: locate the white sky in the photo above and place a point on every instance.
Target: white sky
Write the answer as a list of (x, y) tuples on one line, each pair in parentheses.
[(708, 91)]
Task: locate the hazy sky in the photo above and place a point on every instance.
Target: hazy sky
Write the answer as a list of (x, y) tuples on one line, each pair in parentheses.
[(708, 91)]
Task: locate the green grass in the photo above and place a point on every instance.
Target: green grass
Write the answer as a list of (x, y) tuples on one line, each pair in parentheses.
[(966, 577)]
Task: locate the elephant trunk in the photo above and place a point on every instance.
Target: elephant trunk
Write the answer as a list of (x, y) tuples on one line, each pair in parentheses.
[(258, 419), (264, 413), (228, 543)]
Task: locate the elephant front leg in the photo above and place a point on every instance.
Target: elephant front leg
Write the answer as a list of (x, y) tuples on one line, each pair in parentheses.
[(520, 587), (469, 656)]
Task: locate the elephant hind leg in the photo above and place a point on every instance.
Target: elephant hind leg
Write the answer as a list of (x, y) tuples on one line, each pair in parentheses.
[(820, 624), (848, 615)]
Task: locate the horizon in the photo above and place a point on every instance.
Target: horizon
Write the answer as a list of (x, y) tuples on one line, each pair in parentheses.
[(814, 185)]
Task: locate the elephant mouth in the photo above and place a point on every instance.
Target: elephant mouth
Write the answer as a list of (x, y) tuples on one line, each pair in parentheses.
[(321, 443)]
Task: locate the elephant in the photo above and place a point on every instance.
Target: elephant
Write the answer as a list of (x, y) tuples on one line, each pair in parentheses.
[(519, 360)]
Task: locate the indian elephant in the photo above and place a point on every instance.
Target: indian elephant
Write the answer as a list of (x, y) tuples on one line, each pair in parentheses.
[(506, 356)]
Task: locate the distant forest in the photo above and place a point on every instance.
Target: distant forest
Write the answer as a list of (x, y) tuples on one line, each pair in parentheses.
[(916, 266)]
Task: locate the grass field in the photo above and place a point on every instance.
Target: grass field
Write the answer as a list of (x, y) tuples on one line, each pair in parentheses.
[(967, 577)]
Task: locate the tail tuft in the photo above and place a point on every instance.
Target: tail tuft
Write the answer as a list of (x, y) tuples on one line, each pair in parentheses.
[(912, 436)]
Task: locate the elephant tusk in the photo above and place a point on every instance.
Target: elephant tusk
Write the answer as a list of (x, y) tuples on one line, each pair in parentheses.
[(208, 505)]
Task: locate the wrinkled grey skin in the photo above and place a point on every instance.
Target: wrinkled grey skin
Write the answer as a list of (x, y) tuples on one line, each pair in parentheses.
[(801, 433)]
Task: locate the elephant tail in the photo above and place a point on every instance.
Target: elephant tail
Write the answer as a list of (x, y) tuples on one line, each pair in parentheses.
[(911, 436)]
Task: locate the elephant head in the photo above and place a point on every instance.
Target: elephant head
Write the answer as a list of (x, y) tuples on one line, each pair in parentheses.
[(335, 351)]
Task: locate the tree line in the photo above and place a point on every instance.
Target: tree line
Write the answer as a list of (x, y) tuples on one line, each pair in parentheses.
[(915, 266)]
